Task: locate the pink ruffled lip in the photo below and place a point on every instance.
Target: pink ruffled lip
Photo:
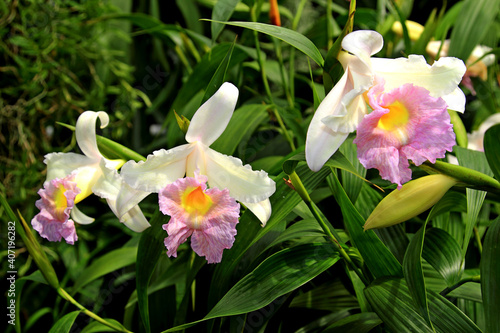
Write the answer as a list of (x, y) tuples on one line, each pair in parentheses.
[(209, 216), (405, 124)]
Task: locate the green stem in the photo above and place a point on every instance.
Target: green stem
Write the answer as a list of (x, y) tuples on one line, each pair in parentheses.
[(446, 291), (478, 240), (299, 187), (266, 83), (70, 299), (295, 24)]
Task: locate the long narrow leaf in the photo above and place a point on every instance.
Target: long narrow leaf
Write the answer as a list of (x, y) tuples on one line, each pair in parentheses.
[(297, 40), (490, 277), (278, 275), (378, 258), (149, 250)]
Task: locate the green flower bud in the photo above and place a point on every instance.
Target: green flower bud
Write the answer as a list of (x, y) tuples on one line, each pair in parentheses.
[(415, 197)]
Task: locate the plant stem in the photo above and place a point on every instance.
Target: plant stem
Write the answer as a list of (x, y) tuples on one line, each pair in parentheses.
[(446, 291), (299, 187), (478, 240), (70, 299), (266, 83)]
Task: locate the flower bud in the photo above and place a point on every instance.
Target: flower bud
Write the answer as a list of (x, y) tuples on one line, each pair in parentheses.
[(415, 197)]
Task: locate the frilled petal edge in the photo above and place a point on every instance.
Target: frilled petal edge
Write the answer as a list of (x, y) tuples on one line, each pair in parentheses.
[(243, 183)]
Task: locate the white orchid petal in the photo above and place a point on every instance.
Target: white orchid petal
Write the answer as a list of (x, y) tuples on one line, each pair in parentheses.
[(243, 183), (441, 79), (86, 178), (212, 117), (86, 134), (59, 165), (161, 168), (262, 210), (134, 219), (363, 44), (321, 140), (80, 217), (456, 100), (128, 198), (196, 160)]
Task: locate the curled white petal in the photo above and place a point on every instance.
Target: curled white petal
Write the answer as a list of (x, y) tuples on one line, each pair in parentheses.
[(363, 44), (322, 141), (243, 183), (262, 210), (134, 219), (121, 198), (86, 134), (161, 168), (80, 217), (212, 117)]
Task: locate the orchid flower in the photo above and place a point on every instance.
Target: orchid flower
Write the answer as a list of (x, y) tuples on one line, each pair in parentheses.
[(208, 215), (73, 177), (163, 167), (474, 68), (345, 106), (406, 123)]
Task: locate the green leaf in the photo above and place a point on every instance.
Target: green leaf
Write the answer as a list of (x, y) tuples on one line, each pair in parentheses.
[(470, 291), (297, 40), (64, 324), (357, 323), (243, 123), (491, 149), (442, 251), (108, 263), (378, 258), (219, 76), (223, 9), (278, 275), (283, 202), (202, 73), (391, 300), (468, 33), (149, 250), (97, 327), (414, 275), (490, 277)]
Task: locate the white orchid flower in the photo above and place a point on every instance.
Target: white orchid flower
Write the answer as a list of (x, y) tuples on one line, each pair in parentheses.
[(345, 106), (163, 167), (93, 173)]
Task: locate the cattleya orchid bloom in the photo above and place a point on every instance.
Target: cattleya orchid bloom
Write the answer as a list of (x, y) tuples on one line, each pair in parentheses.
[(163, 167), (208, 215), (73, 177), (474, 68), (406, 123), (345, 105)]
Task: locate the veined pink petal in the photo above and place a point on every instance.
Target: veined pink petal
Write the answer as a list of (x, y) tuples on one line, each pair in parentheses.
[(212, 117), (57, 200), (406, 124), (209, 215)]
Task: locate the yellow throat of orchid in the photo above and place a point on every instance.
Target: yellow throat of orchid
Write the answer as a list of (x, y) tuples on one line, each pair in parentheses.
[(60, 202), (395, 121), (397, 117), (196, 203)]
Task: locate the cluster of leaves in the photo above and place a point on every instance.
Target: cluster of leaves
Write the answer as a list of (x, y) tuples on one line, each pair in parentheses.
[(438, 272)]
